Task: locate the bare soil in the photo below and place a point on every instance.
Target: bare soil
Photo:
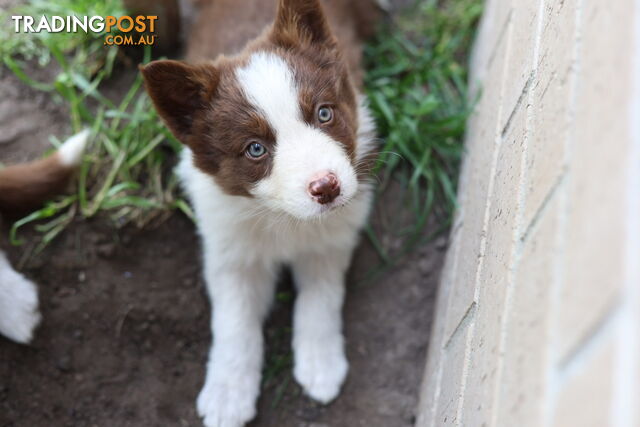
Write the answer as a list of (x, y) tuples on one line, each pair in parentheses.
[(126, 332), (125, 337)]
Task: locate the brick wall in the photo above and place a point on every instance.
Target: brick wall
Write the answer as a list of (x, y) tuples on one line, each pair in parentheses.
[(538, 318)]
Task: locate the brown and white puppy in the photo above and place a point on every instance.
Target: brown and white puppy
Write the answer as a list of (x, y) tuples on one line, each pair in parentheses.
[(22, 188), (278, 145)]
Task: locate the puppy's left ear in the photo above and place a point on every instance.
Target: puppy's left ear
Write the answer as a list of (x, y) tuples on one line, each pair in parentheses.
[(301, 22), (180, 92)]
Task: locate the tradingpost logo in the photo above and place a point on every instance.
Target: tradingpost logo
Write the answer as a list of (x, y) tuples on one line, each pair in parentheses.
[(118, 31)]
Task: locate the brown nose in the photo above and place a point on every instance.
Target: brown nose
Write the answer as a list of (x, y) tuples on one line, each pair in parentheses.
[(325, 189)]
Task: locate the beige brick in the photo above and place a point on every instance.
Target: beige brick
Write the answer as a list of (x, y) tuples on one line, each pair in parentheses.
[(501, 227), (547, 243), (596, 224), (430, 388), (451, 386), (550, 129), (585, 398), (494, 277), (483, 361), (525, 21), (492, 32), (482, 132), (523, 381)]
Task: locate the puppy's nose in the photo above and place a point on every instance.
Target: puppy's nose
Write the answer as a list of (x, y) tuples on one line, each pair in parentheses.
[(325, 188)]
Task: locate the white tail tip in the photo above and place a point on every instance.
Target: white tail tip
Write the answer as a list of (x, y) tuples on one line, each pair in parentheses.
[(72, 149)]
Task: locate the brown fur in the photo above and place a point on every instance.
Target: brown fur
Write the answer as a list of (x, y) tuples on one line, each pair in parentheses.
[(24, 187), (226, 26), (205, 108)]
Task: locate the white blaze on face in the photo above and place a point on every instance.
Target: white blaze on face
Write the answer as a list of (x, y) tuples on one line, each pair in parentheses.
[(302, 151)]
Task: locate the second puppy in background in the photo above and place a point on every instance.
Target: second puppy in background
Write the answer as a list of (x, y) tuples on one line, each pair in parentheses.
[(279, 144), (22, 188)]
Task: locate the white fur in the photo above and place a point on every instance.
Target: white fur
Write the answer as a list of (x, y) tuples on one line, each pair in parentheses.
[(71, 150), (18, 304), (245, 241)]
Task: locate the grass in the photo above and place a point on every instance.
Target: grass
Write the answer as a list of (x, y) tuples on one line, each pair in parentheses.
[(417, 86), (42, 46), (416, 83), (124, 173)]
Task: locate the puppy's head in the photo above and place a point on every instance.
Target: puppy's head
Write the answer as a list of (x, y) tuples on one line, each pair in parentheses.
[(276, 123)]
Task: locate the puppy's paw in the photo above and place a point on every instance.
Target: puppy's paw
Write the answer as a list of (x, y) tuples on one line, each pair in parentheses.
[(227, 404), (19, 314), (321, 368)]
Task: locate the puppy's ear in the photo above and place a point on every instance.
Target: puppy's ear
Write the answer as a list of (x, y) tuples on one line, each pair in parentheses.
[(301, 22), (180, 92)]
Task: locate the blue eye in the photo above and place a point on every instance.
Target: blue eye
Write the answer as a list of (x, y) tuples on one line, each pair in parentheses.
[(325, 114), (256, 150)]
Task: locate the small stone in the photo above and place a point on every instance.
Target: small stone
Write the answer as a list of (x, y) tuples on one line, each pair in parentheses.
[(106, 250), (66, 291), (64, 363)]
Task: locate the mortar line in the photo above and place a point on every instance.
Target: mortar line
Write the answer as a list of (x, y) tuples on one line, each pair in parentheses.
[(438, 390), (559, 275), (483, 241), (580, 351), (516, 245), (503, 32), (456, 237), (523, 95), (627, 370), (555, 186), (557, 270), (454, 250), (466, 319)]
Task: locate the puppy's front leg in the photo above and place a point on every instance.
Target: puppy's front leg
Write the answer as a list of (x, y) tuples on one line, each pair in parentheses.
[(240, 300), (320, 363)]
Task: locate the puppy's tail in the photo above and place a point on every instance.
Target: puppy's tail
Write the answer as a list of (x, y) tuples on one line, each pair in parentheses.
[(25, 187)]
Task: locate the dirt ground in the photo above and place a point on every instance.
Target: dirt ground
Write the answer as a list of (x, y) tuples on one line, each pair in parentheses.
[(125, 337), (126, 320)]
